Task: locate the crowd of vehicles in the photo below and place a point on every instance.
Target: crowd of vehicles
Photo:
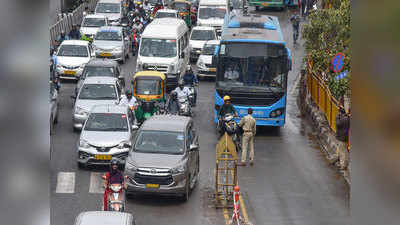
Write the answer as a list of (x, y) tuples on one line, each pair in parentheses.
[(158, 147)]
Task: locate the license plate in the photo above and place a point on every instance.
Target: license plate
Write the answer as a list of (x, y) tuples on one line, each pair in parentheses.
[(212, 69), (69, 72), (102, 157), (265, 4), (105, 54), (152, 185)]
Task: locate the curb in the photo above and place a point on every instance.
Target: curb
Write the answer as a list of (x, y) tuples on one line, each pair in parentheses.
[(326, 137)]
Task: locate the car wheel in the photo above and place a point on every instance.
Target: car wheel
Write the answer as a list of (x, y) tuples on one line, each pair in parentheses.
[(81, 165), (185, 196)]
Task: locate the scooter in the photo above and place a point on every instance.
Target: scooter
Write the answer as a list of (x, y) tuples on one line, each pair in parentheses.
[(184, 106), (191, 94), (116, 198)]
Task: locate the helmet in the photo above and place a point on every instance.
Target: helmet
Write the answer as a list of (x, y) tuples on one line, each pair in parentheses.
[(227, 98), (188, 68), (113, 162), (128, 93)]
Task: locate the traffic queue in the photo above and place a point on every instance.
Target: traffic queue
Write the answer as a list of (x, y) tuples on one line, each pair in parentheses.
[(144, 126)]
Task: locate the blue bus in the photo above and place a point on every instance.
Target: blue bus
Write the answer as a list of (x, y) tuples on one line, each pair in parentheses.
[(252, 63)]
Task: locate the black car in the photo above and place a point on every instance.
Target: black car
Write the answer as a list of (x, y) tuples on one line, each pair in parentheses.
[(101, 68)]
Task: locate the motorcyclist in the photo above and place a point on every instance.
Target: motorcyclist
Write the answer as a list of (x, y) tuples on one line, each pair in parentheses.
[(138, 25), (172, 104), (226, 108), (74, 34), (114, 176), (129, 100), (181, 90), (189, 78), (146, 5), (157, 7)]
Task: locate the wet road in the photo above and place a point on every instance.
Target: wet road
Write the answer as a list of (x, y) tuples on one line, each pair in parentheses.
[(290, 183)]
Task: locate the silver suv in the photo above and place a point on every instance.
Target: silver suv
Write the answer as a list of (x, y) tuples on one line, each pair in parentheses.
[(107, 134), (165, 157)]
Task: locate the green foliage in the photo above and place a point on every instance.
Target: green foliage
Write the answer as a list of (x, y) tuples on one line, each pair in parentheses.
[(327, 34)]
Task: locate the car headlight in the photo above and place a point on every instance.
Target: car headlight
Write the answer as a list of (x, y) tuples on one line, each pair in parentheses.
[(80, 111), (83, 144), (179, 169), (118, 49), (130, 167), (124, 144)]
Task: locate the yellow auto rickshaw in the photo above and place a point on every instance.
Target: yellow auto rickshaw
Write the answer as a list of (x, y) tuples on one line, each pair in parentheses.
[(150, 89), (183, 8)]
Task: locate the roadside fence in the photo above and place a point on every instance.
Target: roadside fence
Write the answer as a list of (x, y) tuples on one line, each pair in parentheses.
[(321, 95), (67, 20)]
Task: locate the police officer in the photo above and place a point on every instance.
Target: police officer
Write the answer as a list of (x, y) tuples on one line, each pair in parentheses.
[(248, 124)]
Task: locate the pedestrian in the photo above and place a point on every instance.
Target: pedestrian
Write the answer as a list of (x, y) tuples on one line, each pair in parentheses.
[(303, 7), (248, 124), (74, 34), (342, 134), (295, 20)]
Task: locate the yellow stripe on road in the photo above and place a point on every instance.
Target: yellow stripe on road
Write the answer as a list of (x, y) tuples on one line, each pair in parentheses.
[(226, 216), (243, 209)]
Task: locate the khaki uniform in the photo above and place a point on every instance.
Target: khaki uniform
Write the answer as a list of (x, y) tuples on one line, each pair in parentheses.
[(248, 123)]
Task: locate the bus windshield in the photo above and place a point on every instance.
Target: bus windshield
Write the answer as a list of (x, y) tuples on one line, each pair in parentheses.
[(265, 74)]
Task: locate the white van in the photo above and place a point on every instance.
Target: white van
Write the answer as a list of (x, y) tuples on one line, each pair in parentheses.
[(211, 13), (112, 9), (164, 47)]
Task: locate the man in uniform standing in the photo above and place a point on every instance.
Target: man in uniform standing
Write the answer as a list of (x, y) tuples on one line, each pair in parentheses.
[(248, 123)]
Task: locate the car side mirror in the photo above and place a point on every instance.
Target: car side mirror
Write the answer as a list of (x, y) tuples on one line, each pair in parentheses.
[(135, 127), (194, 147)]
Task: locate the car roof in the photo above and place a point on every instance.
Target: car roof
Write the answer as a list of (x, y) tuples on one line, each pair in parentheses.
[(109, 108), (102, 63), (167, 10), (95, 16), (100, 80), (212, 42), (165, 28), (203, 28), (104, 217), (110, 1), (212, 2), (75, 42), (109, 28), (166, 123)]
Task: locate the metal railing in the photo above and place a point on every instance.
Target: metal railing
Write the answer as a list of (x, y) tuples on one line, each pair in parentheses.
[(321, 95), (69, 19)]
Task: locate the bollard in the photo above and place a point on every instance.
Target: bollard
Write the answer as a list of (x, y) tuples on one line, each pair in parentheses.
[(235, 215)]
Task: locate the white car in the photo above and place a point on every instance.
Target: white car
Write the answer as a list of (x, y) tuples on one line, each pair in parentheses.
[(91, 24), (112, 42), (204, 63), (112, 9), (198, 37), (72, 56), (162, 13)]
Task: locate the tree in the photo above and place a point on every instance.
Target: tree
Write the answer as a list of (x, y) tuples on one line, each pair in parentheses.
[(327, 34)]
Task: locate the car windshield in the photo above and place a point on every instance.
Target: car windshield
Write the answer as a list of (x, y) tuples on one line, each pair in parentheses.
[(108, 8), (108, 36), (202, 35), (165, 142), (165, 14), (94, 22), (158, 47), (73, 51), (106, 122), (180, 6), (211, 12), (209, 49), (148, 87), (93, 71), (153, 2), (98, 91)]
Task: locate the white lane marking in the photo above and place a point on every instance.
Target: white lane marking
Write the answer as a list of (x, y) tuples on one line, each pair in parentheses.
[(296, 83), (65, 182), (96, 183)]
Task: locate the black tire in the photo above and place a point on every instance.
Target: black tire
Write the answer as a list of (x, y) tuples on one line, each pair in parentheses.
[(75, 130), (81, 165), (185, 196)]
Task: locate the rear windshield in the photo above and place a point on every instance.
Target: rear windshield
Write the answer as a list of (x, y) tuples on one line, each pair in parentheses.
[(108, 8), (108, 36), (203, 35), (165, 14), (106, 122), (98, 91), (94, 22)]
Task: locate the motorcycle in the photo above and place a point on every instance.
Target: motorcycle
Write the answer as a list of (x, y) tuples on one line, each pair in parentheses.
[(116, 198), (229, 125), (184, 106), (191, 94)]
